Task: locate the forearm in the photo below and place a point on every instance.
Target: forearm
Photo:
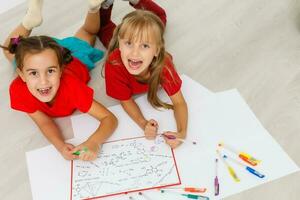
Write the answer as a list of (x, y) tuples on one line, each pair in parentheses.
[(181, 117), (135, 113), (105, 130), (108, 123), (51, 131)]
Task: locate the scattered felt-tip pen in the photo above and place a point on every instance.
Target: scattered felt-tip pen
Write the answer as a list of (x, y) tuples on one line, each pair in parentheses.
[(216, 181), (242, 155), (230, 169), (249, 169)]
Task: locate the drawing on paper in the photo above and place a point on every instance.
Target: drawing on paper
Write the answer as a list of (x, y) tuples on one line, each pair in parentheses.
[(124, 166)]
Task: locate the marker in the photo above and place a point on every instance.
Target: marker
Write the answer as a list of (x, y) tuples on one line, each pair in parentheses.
[(145, 196), (230, 169), (189, 189), (173, 137), (77, 153), (244, 156), (249, 169), (216, 182), (190, 196)]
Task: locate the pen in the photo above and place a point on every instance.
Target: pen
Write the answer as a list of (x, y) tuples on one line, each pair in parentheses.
[(216, 182), (77, 153), (173, 137), (230, 169), (190, 196), (189, 189), (145, 196), (244, 156), (193, 196), (249, 169)]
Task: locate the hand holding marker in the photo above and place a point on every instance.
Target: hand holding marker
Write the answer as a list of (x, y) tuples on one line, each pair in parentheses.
[(244, 156), (77, 153), (173, 137)]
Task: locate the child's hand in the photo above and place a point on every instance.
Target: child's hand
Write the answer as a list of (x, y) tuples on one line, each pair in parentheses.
[(88, 150), (67, 150), (151, 129), (173, 143)]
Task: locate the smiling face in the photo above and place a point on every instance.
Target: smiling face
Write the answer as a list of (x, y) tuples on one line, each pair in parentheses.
[(137, 55), (41, 73), (140, 42)]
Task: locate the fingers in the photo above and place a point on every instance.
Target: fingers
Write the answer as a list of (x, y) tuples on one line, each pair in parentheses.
[(172, 141), (67, 152), (151, 129)]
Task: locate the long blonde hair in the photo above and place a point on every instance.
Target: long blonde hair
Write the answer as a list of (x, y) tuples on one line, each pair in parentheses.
[(139, 25)]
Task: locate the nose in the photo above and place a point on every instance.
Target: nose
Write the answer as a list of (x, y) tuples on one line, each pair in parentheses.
[(135, 50), (43, 79)]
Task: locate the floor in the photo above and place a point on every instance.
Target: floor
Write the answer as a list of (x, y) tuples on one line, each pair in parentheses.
[(253, 46)]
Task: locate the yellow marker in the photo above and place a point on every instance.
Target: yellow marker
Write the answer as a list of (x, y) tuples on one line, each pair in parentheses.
[(230, 169)]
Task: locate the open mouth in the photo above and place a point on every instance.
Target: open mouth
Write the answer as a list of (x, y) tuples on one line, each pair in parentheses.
[(135, 64), (44, 91)]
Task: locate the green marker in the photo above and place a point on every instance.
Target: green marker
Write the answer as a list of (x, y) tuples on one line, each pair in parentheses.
[(193, 196), (77, 153)]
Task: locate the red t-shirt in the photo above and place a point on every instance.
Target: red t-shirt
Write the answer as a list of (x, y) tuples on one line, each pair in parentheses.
[(121, 85), (73, 93)]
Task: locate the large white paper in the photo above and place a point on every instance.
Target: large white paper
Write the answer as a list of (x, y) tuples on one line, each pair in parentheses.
[(124, 166), (223, 117)]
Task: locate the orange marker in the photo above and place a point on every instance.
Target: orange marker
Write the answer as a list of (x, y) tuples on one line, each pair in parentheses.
[(242, 155), (189, 189)]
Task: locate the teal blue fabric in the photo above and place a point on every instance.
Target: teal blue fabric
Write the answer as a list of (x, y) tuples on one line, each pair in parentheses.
[(81, 50)]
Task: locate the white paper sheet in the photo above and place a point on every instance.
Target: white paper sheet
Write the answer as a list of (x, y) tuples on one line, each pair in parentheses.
[(129, 165), (213, 118)]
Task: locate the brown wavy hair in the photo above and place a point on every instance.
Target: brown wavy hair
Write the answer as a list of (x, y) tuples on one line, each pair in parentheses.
[(21, 46), (142, 25)]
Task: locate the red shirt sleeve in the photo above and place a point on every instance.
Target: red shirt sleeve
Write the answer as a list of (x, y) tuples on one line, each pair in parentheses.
[(116, 81), (20, 97), (171, 81)]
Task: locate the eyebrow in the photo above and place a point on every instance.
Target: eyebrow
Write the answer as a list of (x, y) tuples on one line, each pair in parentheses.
[(51, 67)]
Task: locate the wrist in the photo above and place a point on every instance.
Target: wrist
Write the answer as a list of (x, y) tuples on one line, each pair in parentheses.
[(182, 134), (142, 123)]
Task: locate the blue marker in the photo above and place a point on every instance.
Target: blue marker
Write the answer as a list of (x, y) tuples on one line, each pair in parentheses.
[(249, 169)]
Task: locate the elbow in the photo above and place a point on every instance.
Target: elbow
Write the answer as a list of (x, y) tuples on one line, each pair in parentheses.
[(114, 121)]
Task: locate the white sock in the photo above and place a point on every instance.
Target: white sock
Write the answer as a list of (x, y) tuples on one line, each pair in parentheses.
[(134, 2), (94, 5), (33, 17), (107, 3)]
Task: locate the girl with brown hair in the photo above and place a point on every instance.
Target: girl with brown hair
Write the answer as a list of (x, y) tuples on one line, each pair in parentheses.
[(53, 83)]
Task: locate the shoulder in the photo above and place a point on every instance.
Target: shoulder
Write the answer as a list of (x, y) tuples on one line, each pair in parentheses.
[(114, 67), (20, 97), (17, 87), (169, 70)]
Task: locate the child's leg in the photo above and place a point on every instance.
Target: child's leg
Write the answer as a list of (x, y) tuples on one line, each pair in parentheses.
[(150, 6), (91, 25), (107, 27), (32, 19)]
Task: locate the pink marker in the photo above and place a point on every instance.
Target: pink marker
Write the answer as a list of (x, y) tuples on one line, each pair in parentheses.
[(173, 137)]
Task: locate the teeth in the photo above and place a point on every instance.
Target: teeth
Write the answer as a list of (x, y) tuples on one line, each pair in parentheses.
[(44, 90)]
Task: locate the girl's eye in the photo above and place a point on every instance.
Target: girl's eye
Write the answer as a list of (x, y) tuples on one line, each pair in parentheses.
[(127, 43), (33, 73), (50, 71), (145, 46)]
